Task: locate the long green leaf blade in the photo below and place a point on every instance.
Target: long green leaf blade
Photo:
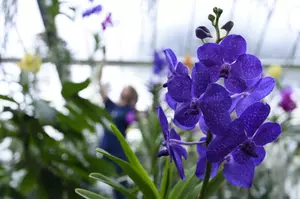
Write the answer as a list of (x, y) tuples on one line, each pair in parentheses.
[(117, 186), (134, 174), (214, 184), (128, 151), (166, 180), (88, 194), (134, 161), (194, 194), (182, 188)]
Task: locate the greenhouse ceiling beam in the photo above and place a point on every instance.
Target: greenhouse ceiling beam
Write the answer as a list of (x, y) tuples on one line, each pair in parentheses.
[(88, 62), (291, 62)]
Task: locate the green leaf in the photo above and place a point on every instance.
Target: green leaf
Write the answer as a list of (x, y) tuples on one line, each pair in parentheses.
[(28, 182), (4, 97), (97, 41), (182, 188), (70, 88), (88, 194), (68, 16), (117, 186), (194, 194), (44, 112), (134, 162), (214, 184), (134, 174), (167, 179), (94, 112)]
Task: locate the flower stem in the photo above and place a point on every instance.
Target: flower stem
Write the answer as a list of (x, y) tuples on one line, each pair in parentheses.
[(186, 143), (207, 171), (217, 29), (205, 181)]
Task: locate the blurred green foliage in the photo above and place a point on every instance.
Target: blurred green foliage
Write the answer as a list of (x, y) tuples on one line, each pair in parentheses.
[(143, 180), (48, 167)]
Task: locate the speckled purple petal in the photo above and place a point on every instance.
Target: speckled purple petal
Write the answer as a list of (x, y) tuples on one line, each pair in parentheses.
[(201, 149), (181, 69), (200, 79), (180, 88), (254, 116), (171, 58), (174, 135), (203, 126), (184, 120), (234, 46), (201, 167), (251, 82), (223, 145), (201, 164), (214, 73), (170, 101), (243, 104), (217, 123), (240, 156), (260, 151), (211, 54), (163, 122), (177, 154), (267, 133), (235, 101), (163, 152), (180, 150), (247, 67), (240, 175), (263, 88), (235, 84), (216, 99)]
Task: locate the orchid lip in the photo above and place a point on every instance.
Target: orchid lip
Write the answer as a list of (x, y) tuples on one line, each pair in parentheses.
[(225, 71), (249, 149)]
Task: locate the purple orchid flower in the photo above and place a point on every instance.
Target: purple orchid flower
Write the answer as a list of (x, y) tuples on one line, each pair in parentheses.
[(175, 68), (260, 90), (173, 148), (170, 101), (201, 163), (191, 103), (287, 104), (241, 147), (94, 10), (158, 63), (228, 60)]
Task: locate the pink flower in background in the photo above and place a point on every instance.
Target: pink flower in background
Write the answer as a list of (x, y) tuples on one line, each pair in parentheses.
[(286, 101), (107, 21), (130, 117)]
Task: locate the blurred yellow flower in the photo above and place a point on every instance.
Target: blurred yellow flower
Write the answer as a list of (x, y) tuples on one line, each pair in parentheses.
[(30, 63), (188, 62), (275, 71)]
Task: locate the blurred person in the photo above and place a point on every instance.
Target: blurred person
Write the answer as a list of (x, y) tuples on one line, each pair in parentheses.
[(123, 114)]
